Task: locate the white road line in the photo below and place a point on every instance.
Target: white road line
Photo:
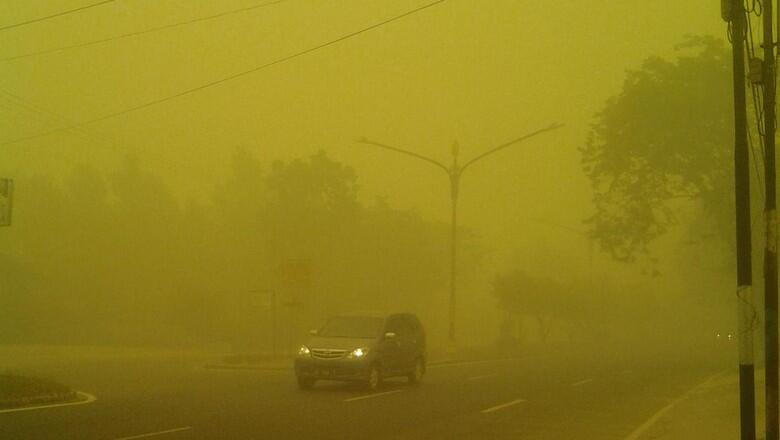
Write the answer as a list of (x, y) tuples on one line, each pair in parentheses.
[(86, 398), (502, 406), (655, 417), (484, 376), (368, 396), (582, 382), (459, 364), (152, 434)]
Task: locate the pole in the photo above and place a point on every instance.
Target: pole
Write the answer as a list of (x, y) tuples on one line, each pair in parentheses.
[(454, 182), (454, 173), (745, 308), (770, 249), (273, 324)]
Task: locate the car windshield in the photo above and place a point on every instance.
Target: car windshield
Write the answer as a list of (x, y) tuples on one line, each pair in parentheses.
[(352, 327)]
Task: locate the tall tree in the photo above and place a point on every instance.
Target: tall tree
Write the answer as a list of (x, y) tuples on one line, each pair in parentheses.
[(665, 138)]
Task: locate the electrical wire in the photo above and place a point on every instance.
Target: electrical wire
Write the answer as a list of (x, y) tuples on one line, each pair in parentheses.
[(227, 78), (58, 14), (11, 101), (755, 160), (755, 89), (143, 32), (756, 9)]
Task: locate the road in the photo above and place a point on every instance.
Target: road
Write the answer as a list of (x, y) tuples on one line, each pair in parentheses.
[(541, 397)]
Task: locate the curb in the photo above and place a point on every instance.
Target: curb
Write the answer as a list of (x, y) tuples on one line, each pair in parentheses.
[(83, 399)]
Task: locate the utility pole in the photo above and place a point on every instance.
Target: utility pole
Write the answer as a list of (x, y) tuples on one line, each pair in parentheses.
[(454, 173), (770, 250), (734, 13)]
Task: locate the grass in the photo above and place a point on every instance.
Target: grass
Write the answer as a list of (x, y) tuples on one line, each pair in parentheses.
[(18, 391)]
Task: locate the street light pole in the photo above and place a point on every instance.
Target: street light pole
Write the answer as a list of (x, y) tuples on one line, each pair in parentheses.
[(454, 173)]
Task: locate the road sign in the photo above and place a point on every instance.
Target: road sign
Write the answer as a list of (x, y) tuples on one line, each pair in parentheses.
[(296, 273), (6, 199)]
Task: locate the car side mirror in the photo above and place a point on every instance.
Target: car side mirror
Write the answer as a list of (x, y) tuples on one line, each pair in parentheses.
[(313, 332), (390, 335)]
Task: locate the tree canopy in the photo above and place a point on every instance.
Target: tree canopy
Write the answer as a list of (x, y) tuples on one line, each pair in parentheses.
[(117, 257), (667, 137)]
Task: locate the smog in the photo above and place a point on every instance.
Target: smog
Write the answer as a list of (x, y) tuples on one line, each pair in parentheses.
[(295, 219)]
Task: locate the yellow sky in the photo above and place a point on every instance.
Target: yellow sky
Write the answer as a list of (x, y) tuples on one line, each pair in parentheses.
[(479, 72)]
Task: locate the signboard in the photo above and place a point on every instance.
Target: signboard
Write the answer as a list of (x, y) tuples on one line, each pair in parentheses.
[(6, 199), (296, 273)]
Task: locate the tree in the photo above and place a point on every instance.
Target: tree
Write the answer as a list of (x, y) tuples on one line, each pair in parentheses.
[(541, 298), (666, 137)]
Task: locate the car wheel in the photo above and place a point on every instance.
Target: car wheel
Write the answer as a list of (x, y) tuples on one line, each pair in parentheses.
[(306, 383), (374, 379), (417, 373)]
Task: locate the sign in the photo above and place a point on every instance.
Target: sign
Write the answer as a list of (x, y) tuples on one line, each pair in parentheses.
[(296, 273), (6, 199)]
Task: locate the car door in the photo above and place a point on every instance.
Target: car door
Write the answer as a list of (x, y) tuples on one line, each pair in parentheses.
[(392, 356), (417, 339), (407, 345)]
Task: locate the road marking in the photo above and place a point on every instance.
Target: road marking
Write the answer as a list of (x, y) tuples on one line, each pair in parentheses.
[(87, 398), (368, 396), (484, 376), (502, 406), (582, 382), (250, 368), (152, 434), (655, 417), (458, 364)]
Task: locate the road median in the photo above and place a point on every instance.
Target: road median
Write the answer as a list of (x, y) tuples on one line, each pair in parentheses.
[(17, 391)]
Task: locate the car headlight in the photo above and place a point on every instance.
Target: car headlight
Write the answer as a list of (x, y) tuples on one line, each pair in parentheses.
[(304, 351), (358, 353)]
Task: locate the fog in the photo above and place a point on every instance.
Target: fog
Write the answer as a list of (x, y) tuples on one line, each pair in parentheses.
[(236, 217)]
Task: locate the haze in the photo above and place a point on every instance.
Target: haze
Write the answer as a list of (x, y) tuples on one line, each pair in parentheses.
[(198, 239)]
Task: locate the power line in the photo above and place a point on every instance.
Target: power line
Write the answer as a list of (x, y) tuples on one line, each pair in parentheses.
[(146, 31), (47, 116), (227, 78), (750, 44), (58, 14)]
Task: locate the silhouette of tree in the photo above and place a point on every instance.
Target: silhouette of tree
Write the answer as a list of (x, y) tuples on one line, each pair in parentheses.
[(666, 137)]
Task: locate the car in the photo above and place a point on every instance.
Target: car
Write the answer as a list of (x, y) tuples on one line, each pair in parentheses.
[(365, 348), (726, 338)]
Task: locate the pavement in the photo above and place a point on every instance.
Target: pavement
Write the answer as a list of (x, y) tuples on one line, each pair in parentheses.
[(558, 395), (709, 410)]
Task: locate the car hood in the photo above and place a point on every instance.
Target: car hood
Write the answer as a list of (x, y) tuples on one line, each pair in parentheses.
[(339, 343)]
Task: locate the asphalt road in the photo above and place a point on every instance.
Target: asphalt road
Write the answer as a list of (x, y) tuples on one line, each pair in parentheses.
[(557, 396)]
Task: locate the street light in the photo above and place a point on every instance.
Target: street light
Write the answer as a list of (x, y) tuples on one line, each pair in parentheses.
[(454, 172)]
